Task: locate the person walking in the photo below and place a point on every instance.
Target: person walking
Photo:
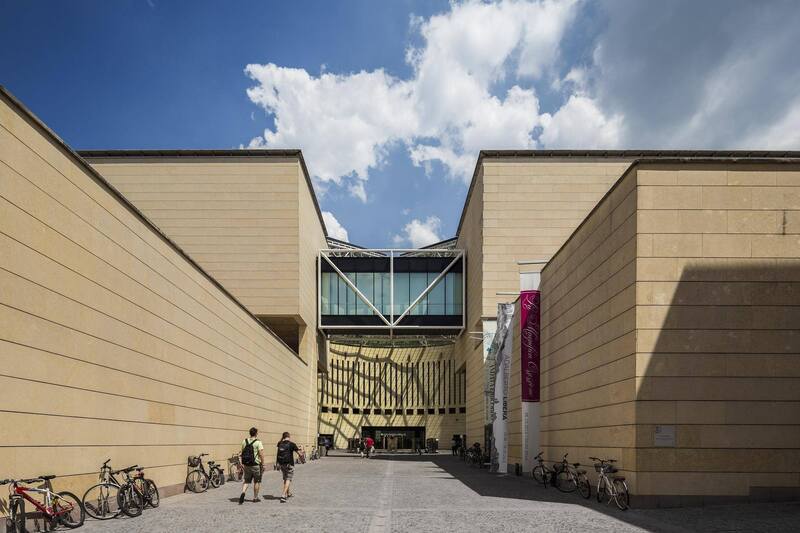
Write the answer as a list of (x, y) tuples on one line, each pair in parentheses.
[(285, 461), (369, 444), (252, 458)]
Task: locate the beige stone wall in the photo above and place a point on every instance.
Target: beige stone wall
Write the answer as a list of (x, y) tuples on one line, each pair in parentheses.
[(530, 207), (419, 386), (519, 209), (674, 305), (468, 351), (250, 221), (237, 217), (718, 344), (588, 338), (112, 343)]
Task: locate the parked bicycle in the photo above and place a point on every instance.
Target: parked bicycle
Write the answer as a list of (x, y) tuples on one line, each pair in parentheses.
[(113, 496), (615, 488), (569, 478), (235, 468), (543, 473), (198, 480), (57, 508), (147, 487), (314, 453)]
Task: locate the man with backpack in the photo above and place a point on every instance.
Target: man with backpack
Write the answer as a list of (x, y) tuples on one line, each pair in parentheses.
[(252, 458), (285, 462)]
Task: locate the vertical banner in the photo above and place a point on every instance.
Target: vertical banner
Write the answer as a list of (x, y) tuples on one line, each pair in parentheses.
[(530, 376), (489, 330), (501, 349)]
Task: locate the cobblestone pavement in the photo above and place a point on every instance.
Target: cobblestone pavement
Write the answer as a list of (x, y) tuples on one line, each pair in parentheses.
[(428, 493)]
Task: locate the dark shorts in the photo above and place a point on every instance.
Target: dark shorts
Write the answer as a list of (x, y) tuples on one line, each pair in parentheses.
[(287, 471), (252, 473)]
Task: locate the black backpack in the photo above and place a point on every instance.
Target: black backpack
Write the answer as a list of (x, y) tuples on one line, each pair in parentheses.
[(249, 453), (285, 449)]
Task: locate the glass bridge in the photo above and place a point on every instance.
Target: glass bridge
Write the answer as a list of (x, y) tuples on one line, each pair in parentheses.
[(388, 292)]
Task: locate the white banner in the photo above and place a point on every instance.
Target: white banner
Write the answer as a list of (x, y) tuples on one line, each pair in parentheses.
[(501, 349)]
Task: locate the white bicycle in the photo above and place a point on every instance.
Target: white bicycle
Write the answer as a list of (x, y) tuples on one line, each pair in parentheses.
[(615, 488)]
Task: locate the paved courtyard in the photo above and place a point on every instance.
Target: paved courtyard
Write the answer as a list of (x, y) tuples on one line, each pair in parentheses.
[(428, 493)]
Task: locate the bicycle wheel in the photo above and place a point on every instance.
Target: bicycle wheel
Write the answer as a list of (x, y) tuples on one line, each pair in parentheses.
[(213, 477), (68, 510), (236, 473), (601, 489), (100, 501), (622, 496), (220, 475), (197, 481), (153, 497), (584, 488), (130, 501), (17, 513), (565, 481), (540, 475)]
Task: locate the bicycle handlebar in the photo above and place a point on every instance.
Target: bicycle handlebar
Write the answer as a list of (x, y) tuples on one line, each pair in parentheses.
[(202, 455), (106, 463)]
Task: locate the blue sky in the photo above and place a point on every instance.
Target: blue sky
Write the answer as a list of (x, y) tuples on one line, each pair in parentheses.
[(391, 101)]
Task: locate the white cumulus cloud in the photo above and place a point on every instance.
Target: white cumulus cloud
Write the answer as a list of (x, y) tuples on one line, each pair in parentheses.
[(419, 233), (446, 112), (335, 229), (517, 74)]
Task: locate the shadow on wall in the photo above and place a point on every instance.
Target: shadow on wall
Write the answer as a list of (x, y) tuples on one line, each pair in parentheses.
[(396, 383), (720, 353)]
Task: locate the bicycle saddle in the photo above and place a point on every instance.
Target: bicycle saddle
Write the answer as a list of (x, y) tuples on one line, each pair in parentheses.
[(576, 465), (619, 478), (130, 468), (47, 478), (139, 468)]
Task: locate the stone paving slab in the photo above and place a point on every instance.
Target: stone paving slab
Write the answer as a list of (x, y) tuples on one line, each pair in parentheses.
[(428, 493)]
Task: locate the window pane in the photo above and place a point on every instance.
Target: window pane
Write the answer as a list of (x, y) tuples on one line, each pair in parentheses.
[(364, 281), (325, 290), (436, 296), (351, 294), (401, 296), (457, 294), (386, 297), (342, 303), (419, 281)]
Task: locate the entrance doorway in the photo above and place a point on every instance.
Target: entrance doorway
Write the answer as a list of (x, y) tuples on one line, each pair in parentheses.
[(396, 438)]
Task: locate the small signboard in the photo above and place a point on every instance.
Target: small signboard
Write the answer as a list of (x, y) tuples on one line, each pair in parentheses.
[(664, 436)]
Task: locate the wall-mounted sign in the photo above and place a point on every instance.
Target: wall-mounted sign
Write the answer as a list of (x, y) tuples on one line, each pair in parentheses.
[(664, 436)]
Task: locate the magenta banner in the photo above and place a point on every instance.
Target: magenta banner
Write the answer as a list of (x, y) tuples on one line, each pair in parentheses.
[(529, 335)]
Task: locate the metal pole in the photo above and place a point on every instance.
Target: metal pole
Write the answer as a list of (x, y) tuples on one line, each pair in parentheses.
[(391, 294)]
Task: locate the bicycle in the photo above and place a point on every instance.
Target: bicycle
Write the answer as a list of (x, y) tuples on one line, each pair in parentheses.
[(235, 468), (616, 488), (568, 478), (216, 474), (58, 507), (111, 497), (543, 473), (198, 480), (147, 487)]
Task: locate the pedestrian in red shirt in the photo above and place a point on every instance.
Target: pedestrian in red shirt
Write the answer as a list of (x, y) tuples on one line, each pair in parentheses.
[(370, 445)]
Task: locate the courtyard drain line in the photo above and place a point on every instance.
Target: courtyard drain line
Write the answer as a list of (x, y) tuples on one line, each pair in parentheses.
[(382, 519)]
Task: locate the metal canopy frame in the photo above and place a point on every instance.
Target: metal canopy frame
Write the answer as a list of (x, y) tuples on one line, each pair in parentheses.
[(391, 323)]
